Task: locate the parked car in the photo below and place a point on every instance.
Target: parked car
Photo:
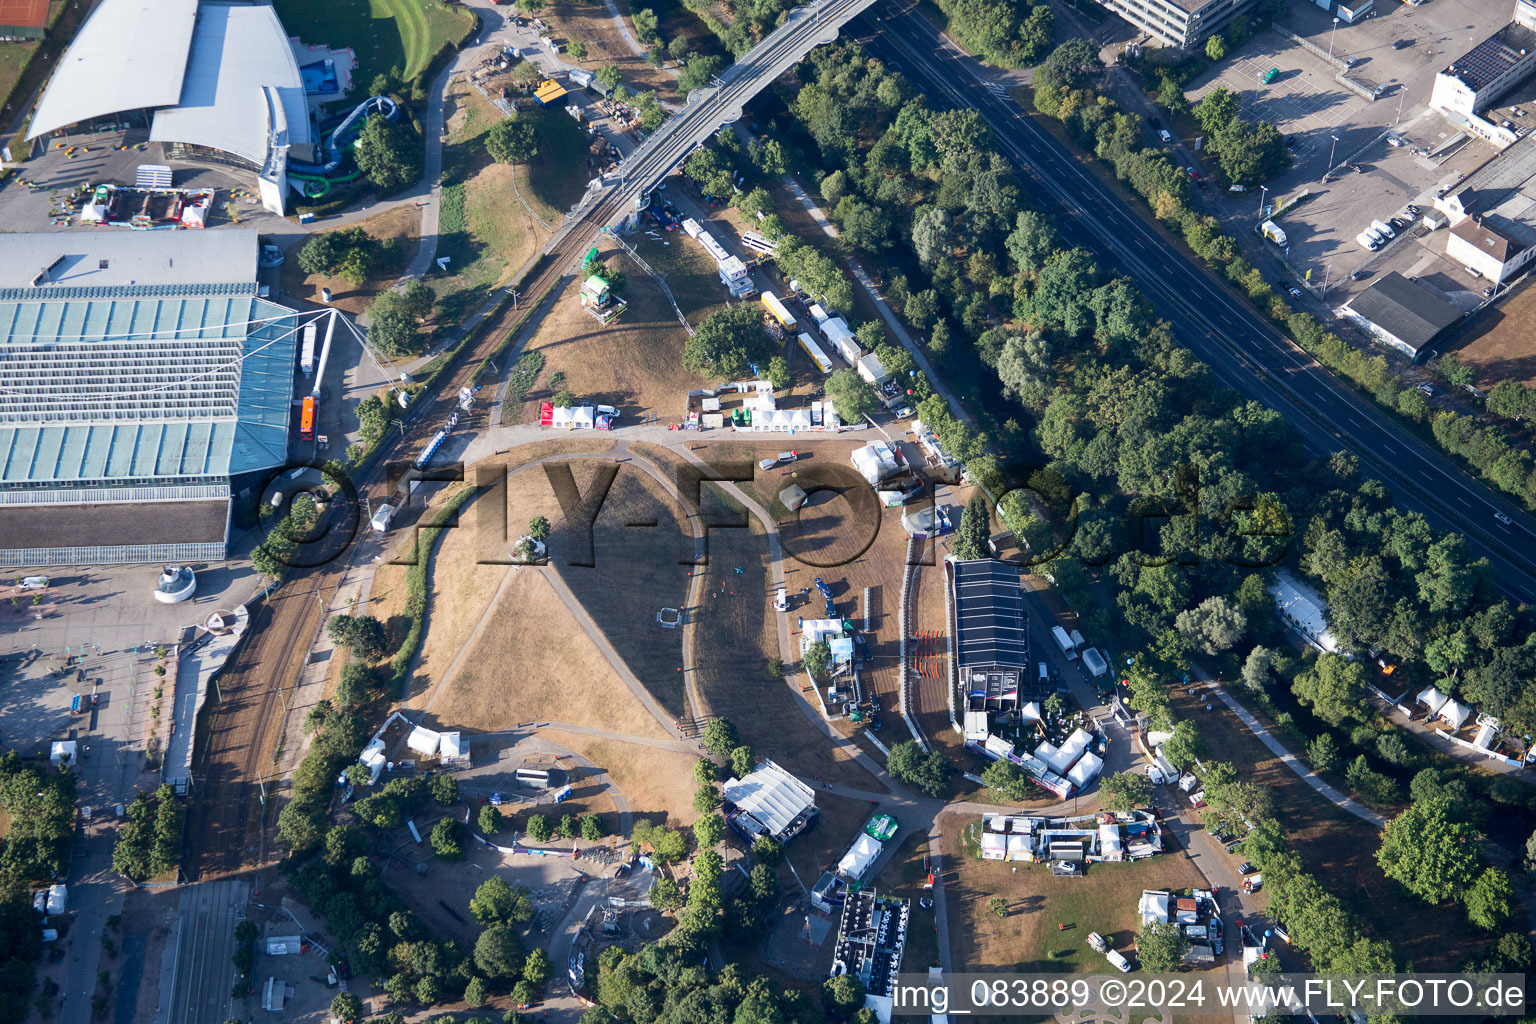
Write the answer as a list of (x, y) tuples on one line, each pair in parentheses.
[(1234, 845), (34, 582), (1163, 134), (1413, 211), (1402, 44), (1429, 392), (1245, 868), (1119, 961), (1295, 292)]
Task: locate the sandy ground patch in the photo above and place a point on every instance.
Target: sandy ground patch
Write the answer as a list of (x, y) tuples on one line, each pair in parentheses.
[(657, 783)]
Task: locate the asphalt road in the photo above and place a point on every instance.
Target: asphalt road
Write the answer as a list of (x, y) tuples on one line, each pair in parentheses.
[(1242, 349)]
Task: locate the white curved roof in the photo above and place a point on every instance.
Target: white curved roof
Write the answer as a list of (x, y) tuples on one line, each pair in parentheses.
[(129, 54), (236, 52)]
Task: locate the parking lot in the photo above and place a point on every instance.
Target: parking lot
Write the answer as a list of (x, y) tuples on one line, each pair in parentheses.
[(30, 201), (1331, 126)]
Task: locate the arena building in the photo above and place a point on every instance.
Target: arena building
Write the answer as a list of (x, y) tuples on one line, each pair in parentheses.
[(142, 384), (212, 80)]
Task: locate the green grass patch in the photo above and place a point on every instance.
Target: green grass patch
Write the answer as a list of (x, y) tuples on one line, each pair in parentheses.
[(416, 591), (399, 35), (523, 377), (557, 175)]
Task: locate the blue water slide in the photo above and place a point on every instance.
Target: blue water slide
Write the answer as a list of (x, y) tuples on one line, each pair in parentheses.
[(336, 147)]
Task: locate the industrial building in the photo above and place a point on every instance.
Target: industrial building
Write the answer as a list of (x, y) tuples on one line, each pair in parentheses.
[(145, 383), (1182, 23), (989, 636), (212, 80), (1473, 82), (1402, 313), (1495, 247)]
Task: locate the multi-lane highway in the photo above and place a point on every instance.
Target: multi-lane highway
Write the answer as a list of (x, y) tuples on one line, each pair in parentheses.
[(1244, 350)]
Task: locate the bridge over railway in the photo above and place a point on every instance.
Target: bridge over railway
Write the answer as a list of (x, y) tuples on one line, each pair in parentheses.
[(709, 109)]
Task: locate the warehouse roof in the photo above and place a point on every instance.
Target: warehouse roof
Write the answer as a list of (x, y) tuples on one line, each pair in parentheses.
[(118, 381), (991, 625), (1494, 57), (30, 527), (119, 259), (1405, 309), (237, 52), (128, 55)]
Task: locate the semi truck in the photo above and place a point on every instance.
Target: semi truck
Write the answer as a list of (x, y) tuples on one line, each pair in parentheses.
[(780, 312), (307, 352), (1064, 642)]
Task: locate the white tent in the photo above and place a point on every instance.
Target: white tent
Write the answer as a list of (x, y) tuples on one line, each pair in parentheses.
[(423, 741), (875, 461), (1157, 737), (1086, 770), (373, 757), (58, 899), (1048, 753), (1454, 714), (1030, 712), (1154, 906), (453, 748), (1432, 699), (63, 751), (1020, 847), (859, 858), (1110, 847), (995, 822), (800, 419), (994, 846), (1075, 745)]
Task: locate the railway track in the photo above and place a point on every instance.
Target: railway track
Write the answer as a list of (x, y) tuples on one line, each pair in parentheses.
[(227, 816)]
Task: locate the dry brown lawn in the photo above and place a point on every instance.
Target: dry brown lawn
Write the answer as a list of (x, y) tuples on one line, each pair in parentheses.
[(532, 662), (1340, 850), (639, 552), (658, 784), (402, 223), (459, 589), (590, 24), (734, 638), (1499, 346), (1038, 903), (634, 363)]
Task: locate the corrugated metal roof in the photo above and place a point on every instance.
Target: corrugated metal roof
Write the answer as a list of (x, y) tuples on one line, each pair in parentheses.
[(991, 625), (236, 51), (129, 54), (1405, 309)]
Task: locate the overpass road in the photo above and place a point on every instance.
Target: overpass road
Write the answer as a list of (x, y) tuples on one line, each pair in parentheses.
[(1244, 351)]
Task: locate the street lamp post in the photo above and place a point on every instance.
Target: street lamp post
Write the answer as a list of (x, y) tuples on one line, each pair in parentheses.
[(1263, 193), (1331, 35), (1402, 94), (1331, 150)]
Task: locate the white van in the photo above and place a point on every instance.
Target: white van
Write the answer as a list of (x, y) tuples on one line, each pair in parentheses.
[(1163, 134), (780, 601), (1120, 962), (1045, 674), (381, 518)]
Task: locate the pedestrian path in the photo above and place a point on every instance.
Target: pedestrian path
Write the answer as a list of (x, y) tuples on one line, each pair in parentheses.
[(1294, 763)]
